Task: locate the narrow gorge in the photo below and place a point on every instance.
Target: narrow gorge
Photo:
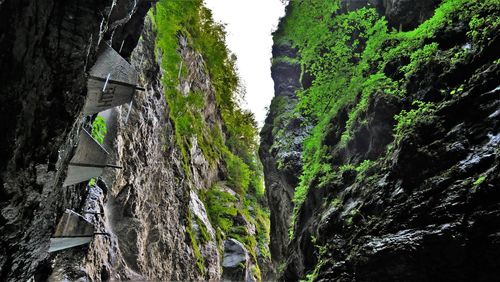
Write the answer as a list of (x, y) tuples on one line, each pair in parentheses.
[(127, 153)]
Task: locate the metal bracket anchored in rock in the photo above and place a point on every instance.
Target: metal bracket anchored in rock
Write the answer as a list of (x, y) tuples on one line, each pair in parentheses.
[(72, 230), (112, 82), (89, 160)]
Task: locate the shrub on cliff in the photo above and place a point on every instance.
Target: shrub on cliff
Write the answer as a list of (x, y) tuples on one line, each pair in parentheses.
[(353, 55)]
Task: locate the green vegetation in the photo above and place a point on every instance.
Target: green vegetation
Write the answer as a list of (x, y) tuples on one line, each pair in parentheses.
[(479, 180), (281, 268), (337, 203), (347, 167), (255, 271), (205, 237), (355, 55), (221, 207), (99, 129), (286, 60), (200, 261), (92, 182), (238, 173), (224, 208), (263, 226), (406, 119), (376, 82), (174, 19), (231, 145), (457, 91), (364, 166), (310, 277), (283, 142), (321, 251), (349, 219)]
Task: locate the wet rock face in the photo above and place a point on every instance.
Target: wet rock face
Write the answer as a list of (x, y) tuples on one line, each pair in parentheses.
[(371, 136), (281, 139), (401, 14), (235, 260), (427, 212), (148, 211), (46, 49), (428, 209), (236, 264), (282, 134), (425, 219), (150, 200), (408, 14), (146, 205), (435, 220)]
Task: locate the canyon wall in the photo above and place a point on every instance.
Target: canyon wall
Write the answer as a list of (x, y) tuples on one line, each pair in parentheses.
[(176, 206), (399, 173), (46, 50)]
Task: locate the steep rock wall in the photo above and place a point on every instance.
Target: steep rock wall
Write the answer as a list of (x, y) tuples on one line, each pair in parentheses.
[(412, 208), (46, 50), (400, 14), (280, 148), (145, 206), (150, 200), (150, 214)]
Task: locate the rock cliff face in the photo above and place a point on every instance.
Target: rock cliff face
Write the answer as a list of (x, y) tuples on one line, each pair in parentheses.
[(46, 50), (410, 202), (146, 204), (151, 214), (281, 142), (404, 14)]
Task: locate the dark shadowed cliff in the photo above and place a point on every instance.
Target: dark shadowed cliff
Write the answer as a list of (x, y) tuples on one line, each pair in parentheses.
[(179, 196), (383, 138), (46, 50), (125, 154)]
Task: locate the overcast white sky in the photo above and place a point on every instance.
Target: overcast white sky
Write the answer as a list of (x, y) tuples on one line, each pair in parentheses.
[(249, 24)]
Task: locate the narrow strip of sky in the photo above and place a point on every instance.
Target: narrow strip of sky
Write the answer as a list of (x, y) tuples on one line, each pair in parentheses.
[(249, 24)]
